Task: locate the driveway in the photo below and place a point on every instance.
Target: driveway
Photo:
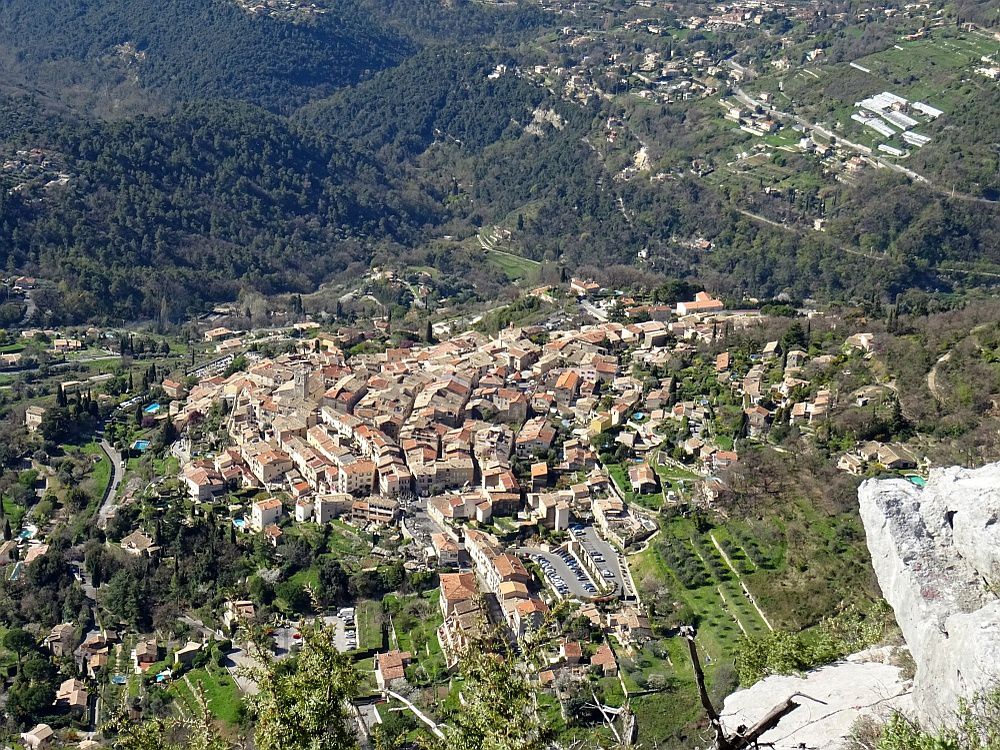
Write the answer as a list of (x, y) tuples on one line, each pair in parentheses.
[(237, 662)]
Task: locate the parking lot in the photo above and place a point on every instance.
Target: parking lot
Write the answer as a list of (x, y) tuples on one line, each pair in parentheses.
[(563, 573), (608, 559), (285, 638), (345, 632)]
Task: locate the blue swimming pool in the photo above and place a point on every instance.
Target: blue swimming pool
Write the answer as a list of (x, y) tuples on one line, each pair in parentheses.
[(239, 523), (140, 445), (152, 408)]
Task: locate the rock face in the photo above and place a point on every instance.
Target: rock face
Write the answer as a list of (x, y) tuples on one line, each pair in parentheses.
[(830, 700), (936, 552)]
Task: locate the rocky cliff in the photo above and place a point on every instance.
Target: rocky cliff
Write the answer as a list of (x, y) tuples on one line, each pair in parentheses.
[(936, 552)]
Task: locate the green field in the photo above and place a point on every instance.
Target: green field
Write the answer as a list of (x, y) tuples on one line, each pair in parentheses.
[(936, 70), (619, 474), (368, 617), (719, 608), (220, 689), (516, 267), (415, 620), (13, 511), (100, 476)]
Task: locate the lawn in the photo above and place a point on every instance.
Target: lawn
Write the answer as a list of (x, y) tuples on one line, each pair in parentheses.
[(366, 668), (514, 266), (619, 474), (306, 577), (100, 475), (415, 621), (346, 541), (220, 689), (13, 511), (368, 617)]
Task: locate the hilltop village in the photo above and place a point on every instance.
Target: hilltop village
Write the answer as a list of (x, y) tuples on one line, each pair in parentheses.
[(421, 497)]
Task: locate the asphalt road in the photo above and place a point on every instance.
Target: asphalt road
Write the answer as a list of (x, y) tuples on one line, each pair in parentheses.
[(236, 662), (108, 507)]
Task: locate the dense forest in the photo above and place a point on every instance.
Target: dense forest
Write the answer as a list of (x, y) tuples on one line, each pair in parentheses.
[(192, 49), (186, 207), (441, 93)]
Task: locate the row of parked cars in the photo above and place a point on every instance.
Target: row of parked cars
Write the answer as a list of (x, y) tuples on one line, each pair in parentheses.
[(557, 581), (346, 615), (594, 552)]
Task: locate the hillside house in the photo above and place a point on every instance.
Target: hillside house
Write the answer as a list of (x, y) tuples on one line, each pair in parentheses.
[(263, 513)]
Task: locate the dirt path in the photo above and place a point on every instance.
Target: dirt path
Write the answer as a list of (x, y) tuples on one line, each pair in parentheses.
[(932, 378)]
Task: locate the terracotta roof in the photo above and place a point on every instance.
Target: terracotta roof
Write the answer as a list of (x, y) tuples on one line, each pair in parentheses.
[(604, 656), (392, 664), (458, 587)]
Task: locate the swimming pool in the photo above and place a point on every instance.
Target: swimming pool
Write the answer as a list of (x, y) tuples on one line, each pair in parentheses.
[(140, 445), (239, 523), (152, 408)]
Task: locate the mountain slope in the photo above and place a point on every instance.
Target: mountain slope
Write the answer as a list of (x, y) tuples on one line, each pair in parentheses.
[(193, 207), (193, 49)]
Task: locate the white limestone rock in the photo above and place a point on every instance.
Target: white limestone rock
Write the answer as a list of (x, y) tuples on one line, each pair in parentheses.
[(936, 552), (831, 699)]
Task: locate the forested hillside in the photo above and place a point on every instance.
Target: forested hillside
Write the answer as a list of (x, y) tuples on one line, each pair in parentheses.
[(441, 93), (462, 22), (278, 148), (189, 207), (191, 49)]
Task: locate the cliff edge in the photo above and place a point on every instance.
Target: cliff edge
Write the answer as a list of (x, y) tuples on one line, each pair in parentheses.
[(936, 552)]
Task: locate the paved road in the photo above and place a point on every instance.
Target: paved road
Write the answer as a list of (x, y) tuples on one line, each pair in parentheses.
[(284, 639), (236, 663), (108, 506), (592, 309), (29, 308)]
